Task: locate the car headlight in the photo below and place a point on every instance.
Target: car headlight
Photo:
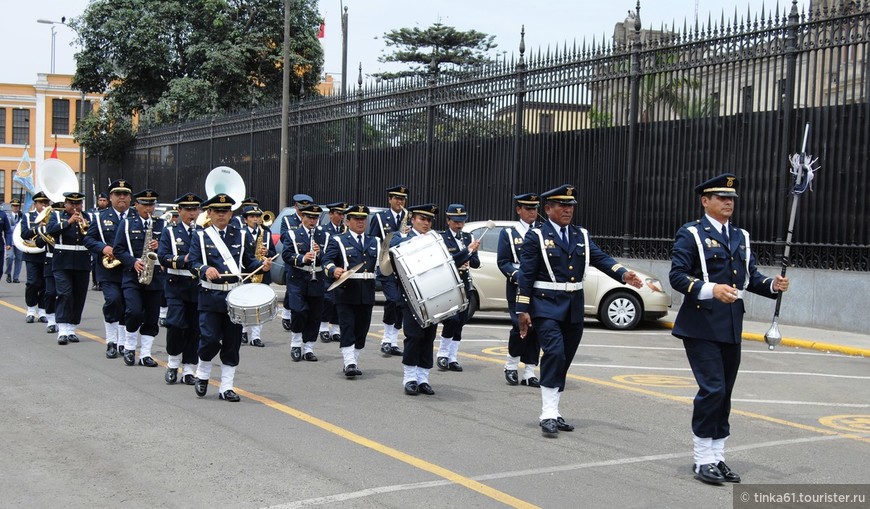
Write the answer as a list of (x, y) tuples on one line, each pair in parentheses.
[(655, 285)]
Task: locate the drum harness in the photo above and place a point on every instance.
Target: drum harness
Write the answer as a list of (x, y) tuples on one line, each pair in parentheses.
[(553, 285), (357, 275), (225, 254), (694, 231), (177, 272)]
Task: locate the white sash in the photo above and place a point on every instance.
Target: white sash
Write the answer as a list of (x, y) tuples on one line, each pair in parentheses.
[(224, 250)]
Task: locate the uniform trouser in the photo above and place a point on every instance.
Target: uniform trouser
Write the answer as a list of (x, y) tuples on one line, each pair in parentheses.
[(328, 314), (715, 368), (94, 261), (217, 334), (142, 310), (559, 340), (527, 348), (354, 321), (34, 290), (13, 261), (182, 330), (307, 319), (393, 308), (113, 302), (50, 297), (418, 341), (72, 289), (452, 327)]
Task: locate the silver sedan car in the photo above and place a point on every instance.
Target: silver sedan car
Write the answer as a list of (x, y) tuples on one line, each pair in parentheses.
[(616, 305)]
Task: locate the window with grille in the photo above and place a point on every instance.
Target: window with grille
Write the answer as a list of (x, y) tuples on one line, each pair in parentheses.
[(3, 126), (20, 127), (88, 107), (60, 116)]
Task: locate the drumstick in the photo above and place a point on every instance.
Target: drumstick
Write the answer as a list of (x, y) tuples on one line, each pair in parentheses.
[(489, 226), (258, 269)]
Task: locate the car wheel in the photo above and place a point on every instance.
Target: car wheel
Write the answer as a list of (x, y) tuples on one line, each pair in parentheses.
[(472, 304), (620, 311)]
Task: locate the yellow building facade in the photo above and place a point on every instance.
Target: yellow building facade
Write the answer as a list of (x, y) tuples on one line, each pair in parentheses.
[(35, 116)]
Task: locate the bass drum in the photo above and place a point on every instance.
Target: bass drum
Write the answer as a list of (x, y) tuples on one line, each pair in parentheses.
[(432, 285), (252, 304)]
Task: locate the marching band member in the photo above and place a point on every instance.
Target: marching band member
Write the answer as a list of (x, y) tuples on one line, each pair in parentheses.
[(291, 222), (552, 267), (463, 248), (218, 254), (240, 221), (182, 291), (93, 217), (419, 341), (99, 240), (71, 265), (13, 254), (510, 245), (142, 299), (329, 326), (262, 249), (303, 257), (712, 265), (355, 298), (34, 290), (382, 224), (50, 298)]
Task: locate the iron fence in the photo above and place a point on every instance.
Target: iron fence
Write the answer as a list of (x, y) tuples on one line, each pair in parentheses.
[(634, 123)]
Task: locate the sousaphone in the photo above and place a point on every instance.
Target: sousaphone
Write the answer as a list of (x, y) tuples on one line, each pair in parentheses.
[(224, 179), (54, 177)]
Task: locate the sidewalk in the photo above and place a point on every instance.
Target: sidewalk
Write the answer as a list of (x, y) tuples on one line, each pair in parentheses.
[(849, 343)]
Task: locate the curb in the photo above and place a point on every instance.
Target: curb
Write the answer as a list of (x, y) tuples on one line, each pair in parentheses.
[(799, 343)]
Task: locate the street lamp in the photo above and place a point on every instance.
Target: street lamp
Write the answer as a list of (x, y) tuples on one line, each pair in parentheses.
[(81, 101), (53, 34)]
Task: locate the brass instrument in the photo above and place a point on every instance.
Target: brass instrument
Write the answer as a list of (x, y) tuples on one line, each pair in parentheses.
[(260, 254), (149, 258), (109, 262), (83, 224), (268, 218), (405, 227), (29, 246), (42, 221)]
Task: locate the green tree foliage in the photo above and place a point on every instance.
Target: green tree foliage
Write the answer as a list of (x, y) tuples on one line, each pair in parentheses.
[(176, 60), (439, 43), (105, 133), (679, 94)]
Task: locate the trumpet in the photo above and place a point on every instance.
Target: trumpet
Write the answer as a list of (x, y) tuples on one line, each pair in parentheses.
[(267, 218), (83, 223)]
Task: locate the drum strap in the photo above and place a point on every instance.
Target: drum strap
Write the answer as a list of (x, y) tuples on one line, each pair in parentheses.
[(343, 252), (223, 250)]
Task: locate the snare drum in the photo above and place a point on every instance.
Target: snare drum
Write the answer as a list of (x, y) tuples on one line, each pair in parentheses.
[(252, 304), (432, 285)]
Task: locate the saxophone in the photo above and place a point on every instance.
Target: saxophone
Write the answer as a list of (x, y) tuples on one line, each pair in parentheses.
[(260, 254), (149, 258)]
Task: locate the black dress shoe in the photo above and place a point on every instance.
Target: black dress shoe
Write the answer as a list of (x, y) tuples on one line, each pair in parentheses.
[(8, 279), (244, 338), (148, 362), (394, 350), (51, 329), (727, 473), (442, 363), (111, 350), (511, 376), (454, 366), (709, 473), (336, 338), (230, 396), (412, 389), (161, 322), (73, 338), (62, 340), (385, 348), (171, 375), (129, 357), (561, 425), (426, 389), (325, 337), (550, 427), (285, 323), (43, 319), (350, 370), (257, 342), (200, 386), (95, 287), (296, 354), (310, 357), (16, 281), (188, 379), (29, 319), (531, 382)]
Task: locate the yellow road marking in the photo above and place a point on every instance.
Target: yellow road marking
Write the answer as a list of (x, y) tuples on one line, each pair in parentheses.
[(483, 489)]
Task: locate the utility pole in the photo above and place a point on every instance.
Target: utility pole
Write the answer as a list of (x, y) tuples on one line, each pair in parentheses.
[(284, 171)]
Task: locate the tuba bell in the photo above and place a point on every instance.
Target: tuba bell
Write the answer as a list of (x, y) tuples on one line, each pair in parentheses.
[(224, 179), (268, 218), (54, 177), (26, 246)]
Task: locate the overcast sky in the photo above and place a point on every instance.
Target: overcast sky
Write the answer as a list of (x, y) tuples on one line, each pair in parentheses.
[(26, 44)]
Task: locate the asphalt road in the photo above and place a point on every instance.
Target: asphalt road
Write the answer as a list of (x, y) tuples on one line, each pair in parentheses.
[(84, 431)]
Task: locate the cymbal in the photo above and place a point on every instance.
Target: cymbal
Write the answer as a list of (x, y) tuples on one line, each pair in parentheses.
[(344, 277)]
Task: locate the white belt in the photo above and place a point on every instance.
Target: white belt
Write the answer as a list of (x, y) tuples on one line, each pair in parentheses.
[(49, 254), (179, 272), (68, 247), (362, 275), (564, 287), (740, 293), (309, 268), (223, 287)]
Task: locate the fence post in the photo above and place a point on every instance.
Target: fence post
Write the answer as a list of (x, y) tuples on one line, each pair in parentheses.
[(519, 114), (358, 145), (298, 180), (787, 111), (631, 154), (430, 123)]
